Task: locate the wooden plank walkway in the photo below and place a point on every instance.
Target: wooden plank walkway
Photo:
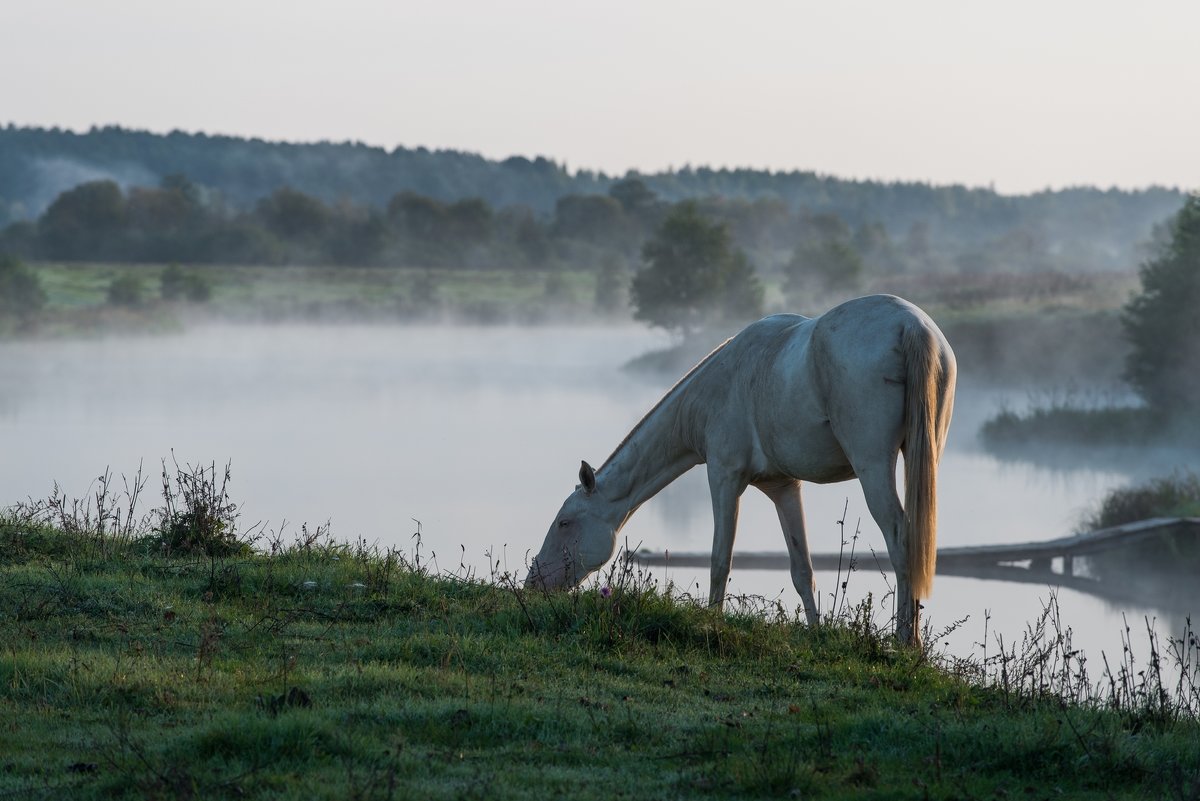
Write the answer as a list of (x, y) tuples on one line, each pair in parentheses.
[(980, 561)]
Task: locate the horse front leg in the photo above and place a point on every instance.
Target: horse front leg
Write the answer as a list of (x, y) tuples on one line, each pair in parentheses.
[(726, 487), (788, 505)]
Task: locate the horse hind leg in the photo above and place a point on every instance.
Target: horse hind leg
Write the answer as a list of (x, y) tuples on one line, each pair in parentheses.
[(879, 488), (790, 508)]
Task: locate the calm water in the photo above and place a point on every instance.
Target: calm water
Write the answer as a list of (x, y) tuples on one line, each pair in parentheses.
[(477, 433)]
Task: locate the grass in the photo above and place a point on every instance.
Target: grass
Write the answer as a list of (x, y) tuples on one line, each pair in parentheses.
[(991, 295), (77, 296), (139, 664), (966, 303)]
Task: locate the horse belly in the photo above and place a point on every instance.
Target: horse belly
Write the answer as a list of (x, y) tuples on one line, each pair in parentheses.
[(808, 453)]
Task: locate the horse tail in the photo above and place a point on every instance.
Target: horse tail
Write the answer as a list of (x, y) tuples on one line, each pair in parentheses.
[(929, 398)]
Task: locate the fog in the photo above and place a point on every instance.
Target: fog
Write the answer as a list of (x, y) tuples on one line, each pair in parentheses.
[(477, 432)]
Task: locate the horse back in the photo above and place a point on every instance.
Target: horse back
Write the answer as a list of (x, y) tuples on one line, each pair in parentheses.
[(763, 412), (832, 390)]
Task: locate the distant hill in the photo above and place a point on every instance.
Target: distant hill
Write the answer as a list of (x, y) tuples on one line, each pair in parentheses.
[(36, 164), (1101, 228)]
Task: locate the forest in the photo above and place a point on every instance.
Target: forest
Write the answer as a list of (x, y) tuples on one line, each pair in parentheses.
[(117, 194)]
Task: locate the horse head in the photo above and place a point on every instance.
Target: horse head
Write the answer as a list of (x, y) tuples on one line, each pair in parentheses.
[(580, 540)]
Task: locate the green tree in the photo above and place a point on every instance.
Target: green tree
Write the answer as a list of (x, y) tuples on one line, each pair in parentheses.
[(293, 215), (825, 259), (598, 219), (1162, 324), (87, 222), (823, 265), (21, 293), (417, 217), (470, 221), (693, 275), (633, 195), (531, 240)]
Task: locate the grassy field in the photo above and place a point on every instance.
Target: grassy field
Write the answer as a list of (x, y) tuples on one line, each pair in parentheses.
[(77, 295), (531, 295), (131, 669)]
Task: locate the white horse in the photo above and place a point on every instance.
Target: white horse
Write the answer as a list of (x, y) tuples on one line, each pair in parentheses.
[(788, 399)]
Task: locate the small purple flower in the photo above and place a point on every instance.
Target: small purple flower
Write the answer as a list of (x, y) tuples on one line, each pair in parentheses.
[(605, 591)]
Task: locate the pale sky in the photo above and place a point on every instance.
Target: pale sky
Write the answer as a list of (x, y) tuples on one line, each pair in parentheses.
[(1020, 94)]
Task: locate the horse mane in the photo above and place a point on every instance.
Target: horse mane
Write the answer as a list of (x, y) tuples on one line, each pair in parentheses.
[(670, 393)]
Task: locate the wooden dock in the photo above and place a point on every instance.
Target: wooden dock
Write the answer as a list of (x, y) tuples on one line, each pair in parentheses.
[(1027, 562)]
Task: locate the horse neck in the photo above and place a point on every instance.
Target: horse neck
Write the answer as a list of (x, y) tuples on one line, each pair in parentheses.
[(653, 455)]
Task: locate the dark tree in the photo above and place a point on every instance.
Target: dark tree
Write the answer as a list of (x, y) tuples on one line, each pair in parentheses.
[(294, 216), (633, 195), (825, 259), (417, 217), (693, 275), (824, 265), (83, 223), (20, 239), (356, 236), (1162, 323), (470, 221), (531, 240), (592, 218)]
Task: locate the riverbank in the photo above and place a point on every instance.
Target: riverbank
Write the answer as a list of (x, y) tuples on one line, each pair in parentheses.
[(80, 299), (998, 324), (324, 670)]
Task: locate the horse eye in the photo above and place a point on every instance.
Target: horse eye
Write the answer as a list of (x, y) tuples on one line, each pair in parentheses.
[(564, 523)]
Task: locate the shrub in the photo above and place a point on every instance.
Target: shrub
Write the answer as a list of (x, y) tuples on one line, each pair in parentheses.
[(1174, 496), (197, 514), (21, 293), (126, 290), (175, 283)]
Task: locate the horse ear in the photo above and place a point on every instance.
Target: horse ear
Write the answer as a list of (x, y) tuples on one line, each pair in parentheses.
[(587, 477)]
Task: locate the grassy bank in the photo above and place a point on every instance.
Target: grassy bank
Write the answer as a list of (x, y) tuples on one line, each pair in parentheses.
[(1065, 425), (320, 670)]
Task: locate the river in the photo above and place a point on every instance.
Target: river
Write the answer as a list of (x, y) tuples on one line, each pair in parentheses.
[(477, 433)]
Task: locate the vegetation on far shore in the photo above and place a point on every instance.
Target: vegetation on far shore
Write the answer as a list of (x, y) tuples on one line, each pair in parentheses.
[(166, 658), (1176, 495), (1162, 359), (1067, 425), (1170, 559)]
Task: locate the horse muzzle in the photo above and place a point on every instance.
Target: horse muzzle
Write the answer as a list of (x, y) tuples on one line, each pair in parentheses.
[(547, 577)]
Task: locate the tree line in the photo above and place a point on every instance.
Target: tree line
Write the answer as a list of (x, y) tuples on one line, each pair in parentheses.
[(962, 228), (691, 271), (179, 221)]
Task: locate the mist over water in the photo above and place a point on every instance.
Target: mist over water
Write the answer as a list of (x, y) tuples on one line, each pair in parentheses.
[(477, 432)]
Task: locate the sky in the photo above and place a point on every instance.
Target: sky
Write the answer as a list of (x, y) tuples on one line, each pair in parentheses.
[(1020, 95)]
